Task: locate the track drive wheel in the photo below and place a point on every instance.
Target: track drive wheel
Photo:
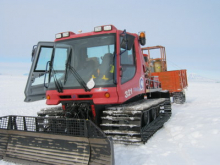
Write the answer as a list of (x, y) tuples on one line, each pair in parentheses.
[(146, 118), (153, 114), (179, 97)]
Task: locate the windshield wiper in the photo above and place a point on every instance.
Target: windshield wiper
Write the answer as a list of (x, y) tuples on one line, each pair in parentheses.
[(75, 74), (57, 83), (67, 64), (78, 77)]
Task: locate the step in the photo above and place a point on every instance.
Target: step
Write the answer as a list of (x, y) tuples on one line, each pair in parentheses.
[(128, 143), (126, 138), (121, 132), (113, 118), (119, 125), (138, 106), (121, 112)]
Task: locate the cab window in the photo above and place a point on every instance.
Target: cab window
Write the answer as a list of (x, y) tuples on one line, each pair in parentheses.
[(128, 65), (44, 57)]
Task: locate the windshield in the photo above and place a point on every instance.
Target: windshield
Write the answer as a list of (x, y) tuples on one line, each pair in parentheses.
[(91, 57)]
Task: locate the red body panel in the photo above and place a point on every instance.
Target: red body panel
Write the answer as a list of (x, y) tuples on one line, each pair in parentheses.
[(97, 95), (133, 87)]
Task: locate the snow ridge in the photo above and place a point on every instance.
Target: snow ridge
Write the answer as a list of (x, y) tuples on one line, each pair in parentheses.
[(193, 77)]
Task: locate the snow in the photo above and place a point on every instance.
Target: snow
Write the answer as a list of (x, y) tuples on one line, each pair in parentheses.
[(197, 78), (191, 136)]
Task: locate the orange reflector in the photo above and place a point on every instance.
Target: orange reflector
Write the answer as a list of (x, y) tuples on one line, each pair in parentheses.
[(107, 95), (48, 97), (142, 35)]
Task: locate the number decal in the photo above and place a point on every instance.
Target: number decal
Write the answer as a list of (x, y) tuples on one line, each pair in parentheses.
[(128, 93)]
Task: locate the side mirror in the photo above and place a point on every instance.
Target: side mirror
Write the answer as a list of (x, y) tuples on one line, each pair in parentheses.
[(127, 41)]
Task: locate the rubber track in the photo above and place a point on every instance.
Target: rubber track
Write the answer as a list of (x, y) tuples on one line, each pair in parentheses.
[(133, 131), (155, 125), (124, 122)]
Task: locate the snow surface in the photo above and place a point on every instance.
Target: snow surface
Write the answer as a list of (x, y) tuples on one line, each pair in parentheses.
[(190, 137), (198, 78)]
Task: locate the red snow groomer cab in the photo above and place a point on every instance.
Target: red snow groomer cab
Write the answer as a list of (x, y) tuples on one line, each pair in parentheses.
[(100, 79)]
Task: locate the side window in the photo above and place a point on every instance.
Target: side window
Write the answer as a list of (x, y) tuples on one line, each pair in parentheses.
[(44, 57), (60, 57), (128, 65)]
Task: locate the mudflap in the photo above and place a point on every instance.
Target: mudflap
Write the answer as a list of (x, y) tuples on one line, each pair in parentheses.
[(37, 140)]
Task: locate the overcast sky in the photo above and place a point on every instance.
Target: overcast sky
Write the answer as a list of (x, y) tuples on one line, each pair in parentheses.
[(189, 29)]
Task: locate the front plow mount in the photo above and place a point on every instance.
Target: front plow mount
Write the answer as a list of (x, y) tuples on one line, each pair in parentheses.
[(50, 140)]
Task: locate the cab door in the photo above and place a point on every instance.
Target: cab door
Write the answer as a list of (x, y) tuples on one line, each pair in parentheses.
[(35, 88)]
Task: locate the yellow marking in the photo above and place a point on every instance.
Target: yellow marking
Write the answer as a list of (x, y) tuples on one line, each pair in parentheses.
[(105, 78), (112, 68)]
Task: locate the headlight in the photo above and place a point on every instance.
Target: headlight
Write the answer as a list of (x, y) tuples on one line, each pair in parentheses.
[(59, 35), (98, 29), (107, 28), (66, 34)]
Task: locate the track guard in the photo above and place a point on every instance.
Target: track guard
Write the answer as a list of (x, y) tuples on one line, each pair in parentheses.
[(37, 140)]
